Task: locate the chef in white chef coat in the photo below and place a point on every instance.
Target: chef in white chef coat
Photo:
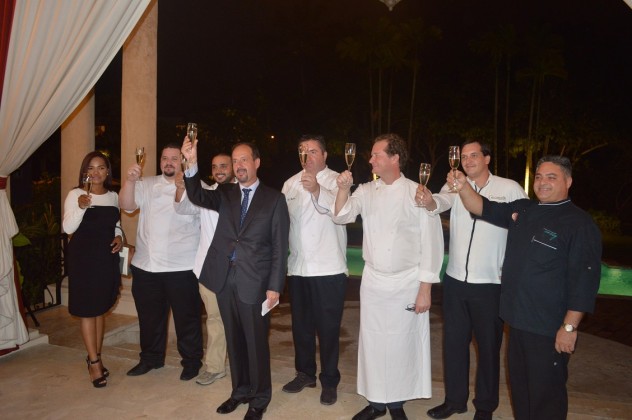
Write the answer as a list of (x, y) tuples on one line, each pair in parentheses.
[(403, 251)]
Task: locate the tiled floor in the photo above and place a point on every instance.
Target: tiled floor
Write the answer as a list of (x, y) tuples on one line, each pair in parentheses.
[(50, 381)]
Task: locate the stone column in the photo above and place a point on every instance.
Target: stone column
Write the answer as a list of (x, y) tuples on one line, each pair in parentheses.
[(77, 140), (138, 116), (139, 100)]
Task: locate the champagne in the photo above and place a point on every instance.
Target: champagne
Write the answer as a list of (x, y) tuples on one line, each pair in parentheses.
[(454, 162), (192, 131), (349, 158), (350, 152), (140, 157), (424, 173), (303, 157)]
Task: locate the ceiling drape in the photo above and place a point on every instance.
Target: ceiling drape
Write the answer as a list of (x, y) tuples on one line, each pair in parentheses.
[(57, 51)]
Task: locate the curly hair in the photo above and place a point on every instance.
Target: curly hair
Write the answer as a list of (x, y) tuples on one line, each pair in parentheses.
[(396, 146)]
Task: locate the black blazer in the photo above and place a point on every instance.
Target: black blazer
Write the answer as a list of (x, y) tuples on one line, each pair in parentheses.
[(261, 244)]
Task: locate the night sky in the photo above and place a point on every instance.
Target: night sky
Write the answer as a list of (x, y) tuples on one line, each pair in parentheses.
[(272, 67)]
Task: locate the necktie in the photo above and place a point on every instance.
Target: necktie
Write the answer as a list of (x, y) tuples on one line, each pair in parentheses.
[(244, 206), (242, 216)]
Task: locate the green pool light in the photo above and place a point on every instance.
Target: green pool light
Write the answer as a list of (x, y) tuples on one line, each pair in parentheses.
[(614, 280)]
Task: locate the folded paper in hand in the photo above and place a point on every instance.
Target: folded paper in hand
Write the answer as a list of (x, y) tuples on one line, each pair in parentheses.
[(264, 307), (125, 255)]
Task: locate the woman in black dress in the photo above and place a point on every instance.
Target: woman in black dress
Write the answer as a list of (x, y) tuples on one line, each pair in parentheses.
[(91, 216)]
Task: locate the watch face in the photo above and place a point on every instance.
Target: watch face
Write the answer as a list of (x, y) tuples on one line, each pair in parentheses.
[(569, 328)]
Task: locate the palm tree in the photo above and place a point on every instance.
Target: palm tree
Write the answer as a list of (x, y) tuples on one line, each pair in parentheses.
[(544, 50), (379, 47), (498, 44), (415, 35)]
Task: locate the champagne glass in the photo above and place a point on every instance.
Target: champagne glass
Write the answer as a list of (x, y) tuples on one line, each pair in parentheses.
[(86, 179), (183, 162), (350, 152), (302, 154), (454, 157), (425, 170), (192, 131), (140, 155)]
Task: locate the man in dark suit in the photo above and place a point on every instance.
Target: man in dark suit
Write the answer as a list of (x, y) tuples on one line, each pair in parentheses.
[(245, 266)]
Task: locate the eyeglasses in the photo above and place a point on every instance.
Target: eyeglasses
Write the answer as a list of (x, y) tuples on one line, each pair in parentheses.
[(410, 307)]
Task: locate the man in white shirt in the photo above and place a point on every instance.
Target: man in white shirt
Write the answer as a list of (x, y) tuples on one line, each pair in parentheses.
[(317, 266), (162, 265), (402, 248), (471, 286), (215, 357)]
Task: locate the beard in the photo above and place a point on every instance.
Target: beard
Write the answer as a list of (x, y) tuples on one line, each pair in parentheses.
[(169, 171)]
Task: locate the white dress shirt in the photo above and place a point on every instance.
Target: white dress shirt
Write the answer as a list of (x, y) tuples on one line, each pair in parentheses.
[(477, 248), (318, 246), (165, 241), (208, 223)]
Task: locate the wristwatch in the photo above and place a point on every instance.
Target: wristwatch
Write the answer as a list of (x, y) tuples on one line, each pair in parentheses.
[(569, 327)]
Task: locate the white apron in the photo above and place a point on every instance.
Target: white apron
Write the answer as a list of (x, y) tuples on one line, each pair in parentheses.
[(394, 344)]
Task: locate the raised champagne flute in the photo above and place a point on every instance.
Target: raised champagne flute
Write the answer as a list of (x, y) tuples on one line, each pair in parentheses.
[(140, 155), (350, 152), (86, 179), (302, 155), (192, 131), (425, 169), (454, 158)]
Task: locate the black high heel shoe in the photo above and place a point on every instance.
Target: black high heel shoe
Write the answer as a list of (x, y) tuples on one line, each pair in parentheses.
[(99, 382), (106, 372)]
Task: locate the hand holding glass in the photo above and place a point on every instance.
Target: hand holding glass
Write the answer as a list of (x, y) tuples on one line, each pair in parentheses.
[(183, 162), (454, 157)]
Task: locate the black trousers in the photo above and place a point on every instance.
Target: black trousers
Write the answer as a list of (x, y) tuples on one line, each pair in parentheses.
[(247, 344), (537, 375), (317, 304), (471, 309), (154, 294)]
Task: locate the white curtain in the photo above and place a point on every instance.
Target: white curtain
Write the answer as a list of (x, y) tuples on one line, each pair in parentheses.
[(57, 52)]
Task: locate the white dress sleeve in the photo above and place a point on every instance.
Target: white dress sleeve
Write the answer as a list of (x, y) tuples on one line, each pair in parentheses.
[(73, 214)]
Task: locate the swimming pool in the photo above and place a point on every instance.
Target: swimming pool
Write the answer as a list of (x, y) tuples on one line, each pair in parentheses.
[(614, 280)]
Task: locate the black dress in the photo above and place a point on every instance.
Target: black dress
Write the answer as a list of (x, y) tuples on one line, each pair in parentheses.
[(94, 278)]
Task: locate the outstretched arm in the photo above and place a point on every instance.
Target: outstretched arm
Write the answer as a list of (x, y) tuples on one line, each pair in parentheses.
[(472, 201)]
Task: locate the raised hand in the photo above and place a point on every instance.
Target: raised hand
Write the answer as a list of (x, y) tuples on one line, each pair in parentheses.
[(344, 181), (189, 150)]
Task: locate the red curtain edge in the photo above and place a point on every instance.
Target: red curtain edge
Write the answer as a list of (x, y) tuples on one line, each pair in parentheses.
[(7, 7)]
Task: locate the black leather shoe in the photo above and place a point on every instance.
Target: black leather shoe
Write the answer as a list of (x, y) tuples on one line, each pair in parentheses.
[(369, 413), (141, 369), (328, 396), (230, 405), (189, 373), (254, 413), (483, 415), (444, 411), (398, 414)]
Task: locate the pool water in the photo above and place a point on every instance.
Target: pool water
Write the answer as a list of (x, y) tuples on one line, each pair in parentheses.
[(614, 280)]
